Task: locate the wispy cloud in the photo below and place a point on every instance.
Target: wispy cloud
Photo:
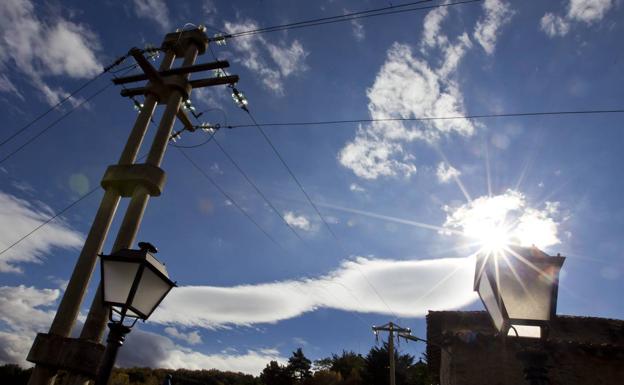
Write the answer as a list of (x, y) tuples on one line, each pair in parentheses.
[(418, 84), (554, 25), (273, 63), (446, 173), (356, 27), (192, 337), (18, 217), (154, 10), (356, 188), (497, 14), (44, 48), (410, 288), (578, 11), (298, 221)]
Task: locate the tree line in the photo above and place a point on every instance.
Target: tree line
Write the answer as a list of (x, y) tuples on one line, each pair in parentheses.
[(347, 368)]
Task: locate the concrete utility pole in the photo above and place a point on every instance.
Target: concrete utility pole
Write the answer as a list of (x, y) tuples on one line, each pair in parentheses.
[(55, 350), (391, 328)]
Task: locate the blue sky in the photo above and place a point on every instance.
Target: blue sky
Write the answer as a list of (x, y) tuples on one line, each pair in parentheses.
[(405, 201)]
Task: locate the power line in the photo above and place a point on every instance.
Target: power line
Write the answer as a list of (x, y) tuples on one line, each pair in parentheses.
[(342, 18), (65, 115), (432, 118), (228, 196), (244, 107), (106, 69), (53, 217), (337, 18), (54, 123), (42, 115), (333, 234), (256, 188)]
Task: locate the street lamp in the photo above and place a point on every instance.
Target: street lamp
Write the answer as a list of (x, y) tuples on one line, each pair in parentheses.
[(134, 283), (518, 286)]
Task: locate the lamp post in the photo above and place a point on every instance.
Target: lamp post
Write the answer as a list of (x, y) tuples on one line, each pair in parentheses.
[(519, 286), (134, 283)]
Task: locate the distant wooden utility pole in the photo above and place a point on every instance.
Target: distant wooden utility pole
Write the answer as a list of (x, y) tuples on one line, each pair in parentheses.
[(391, 328), (55, 350)]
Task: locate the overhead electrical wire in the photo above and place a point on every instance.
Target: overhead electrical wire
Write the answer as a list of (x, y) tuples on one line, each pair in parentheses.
[(432, 118), (46, 112), (227, 196), (318, 212), (196, 166), (59, 119), (389, 10), (106, 69), (257, 189), (54, 123), (50, 219)]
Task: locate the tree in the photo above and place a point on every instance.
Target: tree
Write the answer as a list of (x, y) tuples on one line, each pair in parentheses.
[(377, 366), (349, 365), (418, 374), (325, 377), (13, 374), (299, 365), (276, 374)]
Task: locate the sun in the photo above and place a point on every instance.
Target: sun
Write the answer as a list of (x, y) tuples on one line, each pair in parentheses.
[(491, 237)]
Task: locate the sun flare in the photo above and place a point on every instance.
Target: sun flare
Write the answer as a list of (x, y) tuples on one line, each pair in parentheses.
[(493, 223)]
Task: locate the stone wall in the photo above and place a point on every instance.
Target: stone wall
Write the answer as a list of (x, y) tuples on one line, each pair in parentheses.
[(464, 349)]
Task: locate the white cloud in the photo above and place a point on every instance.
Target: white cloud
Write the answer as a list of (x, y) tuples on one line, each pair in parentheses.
[(155, 10), (288, 59), (497, 14), (192, 338), (69, 50), (370, 158), (410, 288), (23, 312), (431, 28), (254, 52), (588, 11), (19, 217), (153, 350), (508, 215), (446, 172), (7, 86), (405, 87), (356, 188), (42, 48), (585, 11), (297, 221), (418, 85), (554, 25)]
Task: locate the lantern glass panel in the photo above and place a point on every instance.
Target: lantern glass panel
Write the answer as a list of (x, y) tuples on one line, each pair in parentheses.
[(150, 291), (527, 331), (490, 301), (526, 287), (118, 279)]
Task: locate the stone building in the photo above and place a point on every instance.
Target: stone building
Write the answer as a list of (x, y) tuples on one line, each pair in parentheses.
[(464, 349)]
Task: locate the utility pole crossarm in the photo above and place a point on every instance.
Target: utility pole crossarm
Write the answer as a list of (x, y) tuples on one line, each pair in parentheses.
[(391, 327), (175, 71), (199, 83)]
